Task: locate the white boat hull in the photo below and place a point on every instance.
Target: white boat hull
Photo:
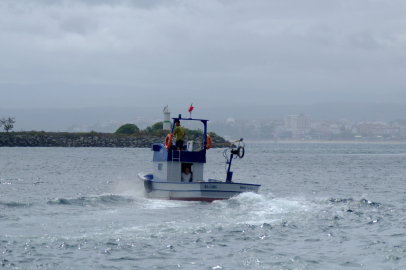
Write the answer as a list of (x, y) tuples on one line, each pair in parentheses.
[(196, 191)]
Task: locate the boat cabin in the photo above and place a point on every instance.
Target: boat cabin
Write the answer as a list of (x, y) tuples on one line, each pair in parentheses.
[(169, 163)]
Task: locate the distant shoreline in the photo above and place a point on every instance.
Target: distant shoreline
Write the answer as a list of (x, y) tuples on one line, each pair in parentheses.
[(48, 139), (327, 142)]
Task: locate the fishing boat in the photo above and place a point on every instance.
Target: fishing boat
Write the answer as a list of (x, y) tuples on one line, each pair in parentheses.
[(165, 182)]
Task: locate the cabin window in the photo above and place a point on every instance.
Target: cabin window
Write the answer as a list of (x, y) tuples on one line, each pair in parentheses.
[(187, 166), (160, 166)]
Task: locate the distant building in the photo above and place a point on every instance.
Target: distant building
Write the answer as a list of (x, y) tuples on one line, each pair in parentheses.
[(365, 128), (290, 122), (298, 124), (230, 120)]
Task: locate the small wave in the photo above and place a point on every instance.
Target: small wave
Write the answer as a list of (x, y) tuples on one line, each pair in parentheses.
[(256, 209), (162, 204), (93, 200), (340, 201), (59, 201), (245, 199), (374, 221), (15, 204), (130, 188), (370, 203), (354, 203), (356, 209)]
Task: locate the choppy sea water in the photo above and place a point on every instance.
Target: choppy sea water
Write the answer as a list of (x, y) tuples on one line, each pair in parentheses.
[(320, 206)]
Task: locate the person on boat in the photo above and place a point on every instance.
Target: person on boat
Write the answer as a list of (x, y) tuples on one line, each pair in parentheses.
[(186, 176), (180, 133)]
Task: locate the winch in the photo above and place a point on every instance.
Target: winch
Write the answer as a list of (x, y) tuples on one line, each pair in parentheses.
[(236, 151)]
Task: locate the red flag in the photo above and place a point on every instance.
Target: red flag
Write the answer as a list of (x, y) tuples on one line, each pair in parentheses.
[(191, 108)]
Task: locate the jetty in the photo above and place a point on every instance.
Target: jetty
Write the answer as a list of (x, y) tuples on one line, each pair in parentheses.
[(93, 139)]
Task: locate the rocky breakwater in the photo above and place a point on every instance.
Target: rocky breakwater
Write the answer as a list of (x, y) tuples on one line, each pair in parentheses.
[(25, 139)]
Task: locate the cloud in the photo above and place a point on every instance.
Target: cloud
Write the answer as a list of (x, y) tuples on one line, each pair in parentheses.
[(218, 47), (78, 24)]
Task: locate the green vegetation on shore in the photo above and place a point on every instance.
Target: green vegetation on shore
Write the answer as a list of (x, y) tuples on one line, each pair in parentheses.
[(154, 130)]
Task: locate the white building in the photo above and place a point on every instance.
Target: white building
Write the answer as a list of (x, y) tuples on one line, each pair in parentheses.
[(298, 124)]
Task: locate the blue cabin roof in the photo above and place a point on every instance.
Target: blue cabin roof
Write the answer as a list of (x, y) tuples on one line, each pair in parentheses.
[(163, 154)]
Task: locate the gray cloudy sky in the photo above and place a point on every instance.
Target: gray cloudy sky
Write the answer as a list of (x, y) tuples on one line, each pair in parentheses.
[(82, 53)]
